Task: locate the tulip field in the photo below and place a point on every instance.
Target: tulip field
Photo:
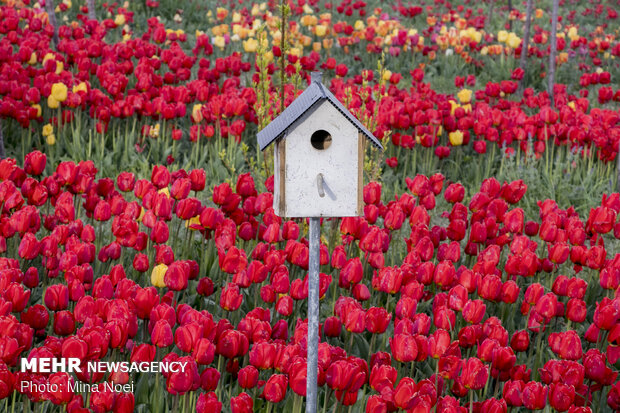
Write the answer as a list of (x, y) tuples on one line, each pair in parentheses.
[(137, 222)]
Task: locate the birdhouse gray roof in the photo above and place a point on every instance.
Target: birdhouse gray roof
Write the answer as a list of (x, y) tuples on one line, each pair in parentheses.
[(315, 93)]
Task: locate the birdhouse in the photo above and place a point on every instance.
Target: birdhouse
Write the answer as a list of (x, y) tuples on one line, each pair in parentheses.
[(318, 156)]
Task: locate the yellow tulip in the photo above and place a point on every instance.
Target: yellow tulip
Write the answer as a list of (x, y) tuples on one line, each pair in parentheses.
[(60, 66), (192, 221), (476, 36), (320, 30), (513, 40), (157, 276), (197, 113), (250, 45), (309, 20), (464, 95), (456, 138), (502, 36), (52, 103), (38, 108), (80, 88), (572, 33), (48, 129), (51, 139), (33, 58), (219, 41), (59, 92), (119, 20), (164, 191), (453, 106), (221, 13)]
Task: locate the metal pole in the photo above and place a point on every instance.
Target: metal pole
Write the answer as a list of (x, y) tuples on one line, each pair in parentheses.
[(313, 316)]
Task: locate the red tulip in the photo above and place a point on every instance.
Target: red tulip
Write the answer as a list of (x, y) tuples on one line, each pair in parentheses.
[(351, 273), (383, 376), (34, 163), (242, 404), (161, 336), (197, 178), (248, 377), (454, 193), (404, 393), (29, 247), (372, 193), (513, 392), (404, 348), (520, 341), (561, 396), (64, 323), (126, 181), (160, 177), (376, 404), (60, 392), (473, 311), (208, 403), (514, 191), (232, 343), (56, 297), (233, 261), (475, 374), (388, 280), (184, 380), (209, 379), (245, 185), (275, 388), (534, 395), (332, 327)]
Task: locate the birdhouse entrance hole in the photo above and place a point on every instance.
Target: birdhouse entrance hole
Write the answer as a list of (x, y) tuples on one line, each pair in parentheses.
[(321, 139)]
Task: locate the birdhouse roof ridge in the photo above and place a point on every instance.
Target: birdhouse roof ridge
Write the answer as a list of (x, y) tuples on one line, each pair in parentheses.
[(316, 92)]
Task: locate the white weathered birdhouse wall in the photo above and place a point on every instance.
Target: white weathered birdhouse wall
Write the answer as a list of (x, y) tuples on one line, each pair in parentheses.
[(300, 163)]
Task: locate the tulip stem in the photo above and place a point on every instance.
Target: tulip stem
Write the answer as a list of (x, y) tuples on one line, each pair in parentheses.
[(219, 368), (372, 344), (350, 346), (471, 401), (327, 394)]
